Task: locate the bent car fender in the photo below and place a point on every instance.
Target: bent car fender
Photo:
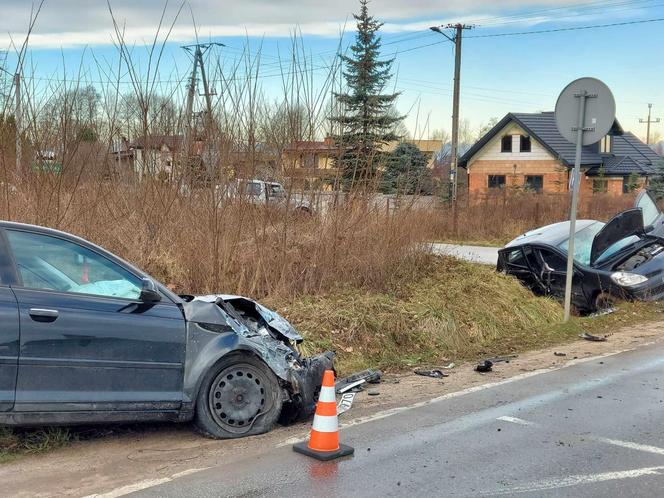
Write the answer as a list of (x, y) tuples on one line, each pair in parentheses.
[(206, 346)]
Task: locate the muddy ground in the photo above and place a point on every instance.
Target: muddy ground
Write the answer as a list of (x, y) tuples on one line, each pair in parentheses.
[(112, 465)]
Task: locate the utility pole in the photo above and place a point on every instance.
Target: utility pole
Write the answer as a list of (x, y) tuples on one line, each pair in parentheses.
[(649, 121), (197, 51), (456, 39)]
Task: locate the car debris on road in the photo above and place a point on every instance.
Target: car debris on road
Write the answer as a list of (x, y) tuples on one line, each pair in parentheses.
[(436, 374), (593, 338), (346, 402), (485, 366), (355, 381)]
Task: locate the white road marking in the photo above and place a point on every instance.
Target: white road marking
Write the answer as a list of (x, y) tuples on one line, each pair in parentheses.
[(632, 446), (515, 420), (148, 483), (565, 482)]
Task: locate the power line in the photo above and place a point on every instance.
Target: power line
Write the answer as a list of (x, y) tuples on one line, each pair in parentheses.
[(574, 10), (574, 28)]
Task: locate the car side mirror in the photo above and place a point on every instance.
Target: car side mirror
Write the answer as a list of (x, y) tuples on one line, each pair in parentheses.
[(149, 292)]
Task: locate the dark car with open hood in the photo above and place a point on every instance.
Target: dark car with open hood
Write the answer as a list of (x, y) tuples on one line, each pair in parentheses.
[(621, 259), (88, 338)]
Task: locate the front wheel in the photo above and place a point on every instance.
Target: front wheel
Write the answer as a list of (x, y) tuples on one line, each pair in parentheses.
[(239, 397), (604, 302)]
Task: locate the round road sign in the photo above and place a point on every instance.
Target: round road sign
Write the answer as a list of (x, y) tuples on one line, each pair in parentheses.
[(600, 110)]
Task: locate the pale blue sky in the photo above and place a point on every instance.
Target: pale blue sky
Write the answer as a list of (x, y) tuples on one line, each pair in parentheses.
[(499, 74)]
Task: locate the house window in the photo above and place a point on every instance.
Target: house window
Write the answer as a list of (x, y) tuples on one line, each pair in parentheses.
[(506, 144), (534, 183), (310, 160), (605, 145), (496, 181), (600, 186), (524, 144)]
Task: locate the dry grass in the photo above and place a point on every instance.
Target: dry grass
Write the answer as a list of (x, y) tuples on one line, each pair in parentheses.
[(496, 219), (199, 243)]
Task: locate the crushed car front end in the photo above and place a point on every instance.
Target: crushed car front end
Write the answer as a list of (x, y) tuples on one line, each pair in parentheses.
[(218, 325)]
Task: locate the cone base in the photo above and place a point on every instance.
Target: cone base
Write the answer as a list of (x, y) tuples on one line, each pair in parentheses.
[(323, 455)]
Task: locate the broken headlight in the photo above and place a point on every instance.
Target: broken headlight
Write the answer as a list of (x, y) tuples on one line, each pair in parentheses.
[(627, 279)]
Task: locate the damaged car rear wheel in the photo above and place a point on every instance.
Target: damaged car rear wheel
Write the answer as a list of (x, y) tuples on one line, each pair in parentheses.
[(239, 397)]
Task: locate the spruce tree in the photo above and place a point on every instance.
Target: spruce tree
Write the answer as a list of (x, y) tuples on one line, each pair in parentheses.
[(406, 171), (368, 120), (656, 182)]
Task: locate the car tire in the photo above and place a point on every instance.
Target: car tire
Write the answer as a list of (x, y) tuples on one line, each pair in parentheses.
[(240, 396), (604, 301)]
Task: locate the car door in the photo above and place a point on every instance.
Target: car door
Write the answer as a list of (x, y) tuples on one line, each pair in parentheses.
[(554, 275), (653, 219), (9, 331), (517, 261), (87, 342)]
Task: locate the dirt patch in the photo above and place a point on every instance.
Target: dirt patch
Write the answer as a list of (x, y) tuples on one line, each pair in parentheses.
[(90, 467)]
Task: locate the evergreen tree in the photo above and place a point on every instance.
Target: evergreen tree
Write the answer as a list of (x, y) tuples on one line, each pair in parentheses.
[(367, 122), (406, 171), (656, 183)]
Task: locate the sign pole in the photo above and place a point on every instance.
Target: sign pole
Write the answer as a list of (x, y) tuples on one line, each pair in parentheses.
[(583, 100), (576, 175)]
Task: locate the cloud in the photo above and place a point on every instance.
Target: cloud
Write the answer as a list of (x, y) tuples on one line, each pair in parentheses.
[(70, 23)]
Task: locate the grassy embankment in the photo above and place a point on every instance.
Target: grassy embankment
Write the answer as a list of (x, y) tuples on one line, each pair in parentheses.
[(458, 312)]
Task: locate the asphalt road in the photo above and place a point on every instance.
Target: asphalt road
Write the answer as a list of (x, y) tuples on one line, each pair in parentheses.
[(476, 254), (595, 428)]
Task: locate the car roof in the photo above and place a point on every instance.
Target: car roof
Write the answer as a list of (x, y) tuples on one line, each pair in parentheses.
[(40, 229), (550, 234)]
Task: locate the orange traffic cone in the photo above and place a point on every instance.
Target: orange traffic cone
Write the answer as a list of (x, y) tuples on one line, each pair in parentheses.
[(324, 440)]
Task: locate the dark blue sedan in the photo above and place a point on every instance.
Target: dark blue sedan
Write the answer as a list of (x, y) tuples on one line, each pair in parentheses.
[(88, 338)]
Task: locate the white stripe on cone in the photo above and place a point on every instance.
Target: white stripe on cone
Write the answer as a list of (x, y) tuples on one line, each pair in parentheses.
[(325, 423), (327, 394)]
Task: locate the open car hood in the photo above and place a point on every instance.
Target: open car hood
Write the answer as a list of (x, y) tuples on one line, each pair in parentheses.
[(625, 224)]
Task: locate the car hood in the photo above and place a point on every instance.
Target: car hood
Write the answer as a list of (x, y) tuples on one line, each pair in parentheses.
[(273, 319), (624, 224)]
